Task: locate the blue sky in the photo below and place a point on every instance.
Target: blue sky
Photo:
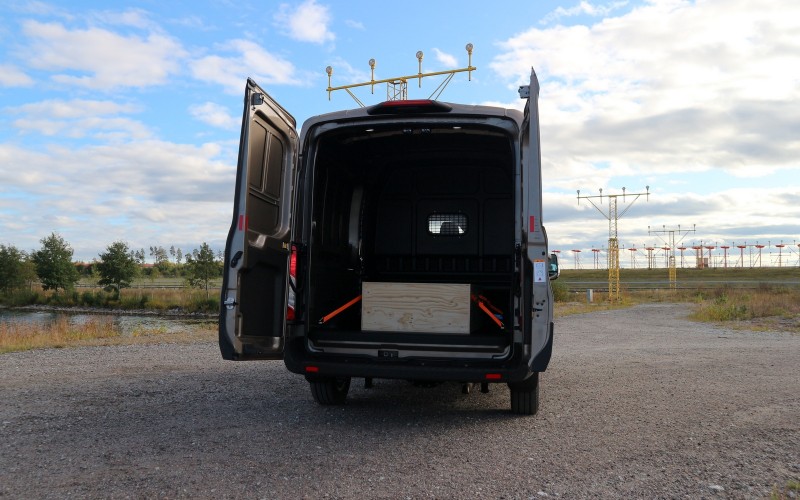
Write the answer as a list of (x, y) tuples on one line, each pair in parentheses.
[(120, 121)]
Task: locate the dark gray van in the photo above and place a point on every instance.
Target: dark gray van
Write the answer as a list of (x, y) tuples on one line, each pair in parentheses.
[(402, 240)]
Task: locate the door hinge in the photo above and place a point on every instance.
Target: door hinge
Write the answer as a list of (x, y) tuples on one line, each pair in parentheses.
[(230, 303)]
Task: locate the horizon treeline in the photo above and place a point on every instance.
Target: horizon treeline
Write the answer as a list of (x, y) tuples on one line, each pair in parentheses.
[(53, 267)]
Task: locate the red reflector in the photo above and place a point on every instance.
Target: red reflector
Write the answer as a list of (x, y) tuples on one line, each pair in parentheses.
[(312, 369), (493, 376), (290, 314)]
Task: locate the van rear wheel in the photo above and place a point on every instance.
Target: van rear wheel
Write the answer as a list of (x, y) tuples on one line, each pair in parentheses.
[(525, 396), (330, 391)]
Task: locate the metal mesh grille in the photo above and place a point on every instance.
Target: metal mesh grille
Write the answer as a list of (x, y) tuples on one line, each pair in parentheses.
[(447, 224)]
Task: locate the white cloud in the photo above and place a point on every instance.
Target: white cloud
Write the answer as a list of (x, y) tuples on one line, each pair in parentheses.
[(76, 108), (79, 118), (445, 59), (248, 59), (214, 114), (582, 8), (12, 76), (100, 59), (137, 191), (307, 22), (669, 86), (354, 24), (136, 18)]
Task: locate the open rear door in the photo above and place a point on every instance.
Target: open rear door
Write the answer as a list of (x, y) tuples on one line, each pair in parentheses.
[(534, 234), (254, 288)]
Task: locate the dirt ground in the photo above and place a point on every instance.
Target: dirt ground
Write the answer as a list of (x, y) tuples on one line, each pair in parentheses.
[(638, 402)]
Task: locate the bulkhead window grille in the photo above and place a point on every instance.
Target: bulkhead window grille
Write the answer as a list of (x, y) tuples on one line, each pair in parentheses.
[(447, 224)]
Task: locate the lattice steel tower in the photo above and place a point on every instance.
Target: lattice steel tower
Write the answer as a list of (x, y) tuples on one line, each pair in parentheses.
[(613, 216), (673, 272)]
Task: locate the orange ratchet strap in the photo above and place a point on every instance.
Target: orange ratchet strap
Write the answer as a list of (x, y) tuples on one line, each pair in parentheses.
[(488, 308), (337, 311)]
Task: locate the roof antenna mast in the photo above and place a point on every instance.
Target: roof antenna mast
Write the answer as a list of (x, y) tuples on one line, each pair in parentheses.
[(397, 87)]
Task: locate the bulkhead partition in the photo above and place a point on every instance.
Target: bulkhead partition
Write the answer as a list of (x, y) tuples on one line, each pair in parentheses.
[(441, 220)]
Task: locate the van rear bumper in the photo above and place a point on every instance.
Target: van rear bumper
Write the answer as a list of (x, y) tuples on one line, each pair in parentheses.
[(299, 360)]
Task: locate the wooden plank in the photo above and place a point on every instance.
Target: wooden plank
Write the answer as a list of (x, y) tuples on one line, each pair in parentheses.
[(416, 307)]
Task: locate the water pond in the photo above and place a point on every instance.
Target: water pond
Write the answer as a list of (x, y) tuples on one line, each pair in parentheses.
[(127, 324)]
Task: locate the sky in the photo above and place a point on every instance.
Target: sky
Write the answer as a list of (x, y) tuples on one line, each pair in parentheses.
[(121, 120)]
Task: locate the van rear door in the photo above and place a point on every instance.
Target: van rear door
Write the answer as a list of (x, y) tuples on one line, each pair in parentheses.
[(253, 313), (534, 233)]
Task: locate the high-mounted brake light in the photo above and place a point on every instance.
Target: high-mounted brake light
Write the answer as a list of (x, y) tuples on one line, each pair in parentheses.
[(409, 106)]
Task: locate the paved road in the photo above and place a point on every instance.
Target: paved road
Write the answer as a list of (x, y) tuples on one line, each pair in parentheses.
[(638, 402)]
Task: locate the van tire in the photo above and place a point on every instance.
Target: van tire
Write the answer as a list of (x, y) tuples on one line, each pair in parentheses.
[(330, 391), (525, 396)]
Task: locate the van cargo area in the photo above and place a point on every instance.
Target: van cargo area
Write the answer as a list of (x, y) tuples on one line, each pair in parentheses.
[(414, 205)]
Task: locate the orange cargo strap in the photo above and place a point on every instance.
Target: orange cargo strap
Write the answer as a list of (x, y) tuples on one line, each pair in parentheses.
[(337, 311), (483, 302)]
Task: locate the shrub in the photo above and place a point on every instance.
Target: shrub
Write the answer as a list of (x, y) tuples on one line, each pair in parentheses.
[(560, 291)]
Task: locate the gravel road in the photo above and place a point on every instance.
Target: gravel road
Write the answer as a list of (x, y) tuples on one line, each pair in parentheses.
[(636, 403)]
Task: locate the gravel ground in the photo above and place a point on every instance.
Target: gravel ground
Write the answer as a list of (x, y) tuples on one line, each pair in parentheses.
[(636, 403)]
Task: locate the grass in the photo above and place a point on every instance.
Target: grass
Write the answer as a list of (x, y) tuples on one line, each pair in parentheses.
[(187, 300), (765, 307), (791, 490), (96, 331), (23, 336), (761, 308)]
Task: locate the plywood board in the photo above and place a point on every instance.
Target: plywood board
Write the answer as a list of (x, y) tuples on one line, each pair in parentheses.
[(415, 307)]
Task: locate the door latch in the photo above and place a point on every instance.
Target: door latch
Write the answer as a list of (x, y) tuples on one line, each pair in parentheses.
[(230, 303)]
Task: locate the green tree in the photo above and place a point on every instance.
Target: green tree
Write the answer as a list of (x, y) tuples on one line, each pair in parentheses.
[(11, 268), (202, 267), (159, 255), (161, 260), (117, 266), (28, 270), (54, 264)]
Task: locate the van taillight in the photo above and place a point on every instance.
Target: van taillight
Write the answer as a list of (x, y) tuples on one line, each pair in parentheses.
[(290, 315)]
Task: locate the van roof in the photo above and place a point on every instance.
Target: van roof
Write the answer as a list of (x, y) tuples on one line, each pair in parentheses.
[(459, 110)]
